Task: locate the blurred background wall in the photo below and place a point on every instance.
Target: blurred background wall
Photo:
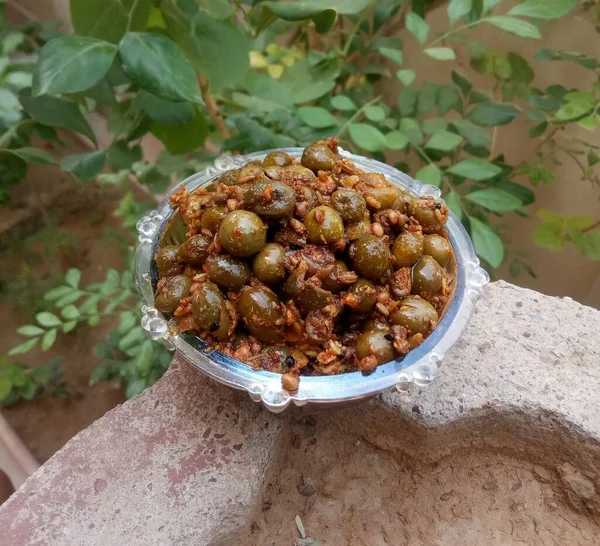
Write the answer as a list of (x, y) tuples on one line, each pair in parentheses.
[(565, 273)]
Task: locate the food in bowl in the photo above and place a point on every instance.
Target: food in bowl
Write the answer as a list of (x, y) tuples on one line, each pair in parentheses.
[(307, 266)]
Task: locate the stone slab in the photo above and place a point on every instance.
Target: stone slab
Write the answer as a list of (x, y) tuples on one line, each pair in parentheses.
[(180, 464), (524, 379), (183, 462)]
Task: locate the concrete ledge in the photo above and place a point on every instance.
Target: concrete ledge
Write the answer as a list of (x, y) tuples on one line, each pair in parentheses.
[(180, 464), (523, 380), (184, 462)]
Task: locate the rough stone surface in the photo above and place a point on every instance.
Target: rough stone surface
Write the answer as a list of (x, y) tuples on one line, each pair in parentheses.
[(521, 351), (523, 379), (181, 464)]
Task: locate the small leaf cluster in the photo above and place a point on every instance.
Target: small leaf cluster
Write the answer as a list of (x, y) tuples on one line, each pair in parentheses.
[(18, 382), (74, 305), (128, 356)]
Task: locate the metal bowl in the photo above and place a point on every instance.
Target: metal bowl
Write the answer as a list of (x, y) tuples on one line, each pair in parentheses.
[(418, 367)]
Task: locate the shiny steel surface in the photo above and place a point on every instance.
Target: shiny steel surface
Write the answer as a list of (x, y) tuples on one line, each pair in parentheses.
[(418, 367)]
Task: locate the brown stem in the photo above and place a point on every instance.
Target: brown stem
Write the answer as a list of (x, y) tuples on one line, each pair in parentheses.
[(590, 228), (574, 158), (213, 107), (539, 145), (293, 36), (312, 38)]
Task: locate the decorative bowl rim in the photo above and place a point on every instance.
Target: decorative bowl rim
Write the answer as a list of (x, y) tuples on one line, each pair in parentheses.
[(418, 367)]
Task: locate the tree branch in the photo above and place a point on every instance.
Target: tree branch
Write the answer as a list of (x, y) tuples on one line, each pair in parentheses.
[(590, 228), (213, 107)]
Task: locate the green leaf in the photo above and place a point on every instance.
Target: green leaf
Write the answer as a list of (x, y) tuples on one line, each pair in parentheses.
[(69, 326), (166, 112), (219, 9), (135, 387), (538, 130), (90, 305), (406, 76), (121, 156), (395, 140), (156, 64), (395, 55), (133, 337), (313, 91), (30, 330), (24, 347), (407, 100), (343, 103), (216, 49), (49, 339), (57, 293), (475, 169), (144, 357), (5, 387), (463, 84), (255, 104), (544, 9), (367, 137), (32, 155), (69, 298), (57, 112), (587, 243), (322, 13), (571, 110), (444, 141), (48, 320), (489, 114), (181, 139), (127, 320), (11, 41), (374, 113), (550, 235), (524, 194), (453, 201), (434, 125), (84, 166), (495, 200), (514, 26), (315, 116), (489, 4), (448, 98), (589, 123), (473, 134), (418, 27), (411, 129), (487, 242), (73, 277), (578, 104), (458, 8), (430, 174), (70, 312), (109, 19), (71, 64), (18, 80), (440, 53), (103, 93), (427, 97)]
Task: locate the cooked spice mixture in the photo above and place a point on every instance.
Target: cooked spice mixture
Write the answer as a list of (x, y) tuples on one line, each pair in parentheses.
[(310, 267)]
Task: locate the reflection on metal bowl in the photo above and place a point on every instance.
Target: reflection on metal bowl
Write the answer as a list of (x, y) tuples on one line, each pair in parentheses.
[(419, 366)]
